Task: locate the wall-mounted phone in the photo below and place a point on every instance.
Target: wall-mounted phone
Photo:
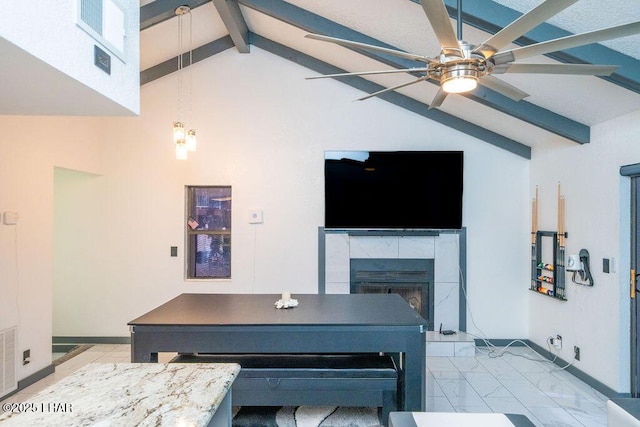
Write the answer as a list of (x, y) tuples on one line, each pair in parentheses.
[(580, 266)]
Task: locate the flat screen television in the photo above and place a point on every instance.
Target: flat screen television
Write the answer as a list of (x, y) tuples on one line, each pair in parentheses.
[(393, 189)]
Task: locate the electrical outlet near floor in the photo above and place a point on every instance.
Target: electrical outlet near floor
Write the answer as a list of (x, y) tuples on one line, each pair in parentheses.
[(576, 352), (557, 342), (26, 357)]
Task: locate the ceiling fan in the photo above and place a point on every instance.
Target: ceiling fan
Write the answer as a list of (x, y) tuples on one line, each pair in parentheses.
[(461, 66)]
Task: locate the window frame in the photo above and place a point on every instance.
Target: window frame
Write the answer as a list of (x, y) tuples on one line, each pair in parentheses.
[(190, 250)]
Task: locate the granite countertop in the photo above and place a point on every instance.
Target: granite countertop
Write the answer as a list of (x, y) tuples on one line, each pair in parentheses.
[(128, 394)]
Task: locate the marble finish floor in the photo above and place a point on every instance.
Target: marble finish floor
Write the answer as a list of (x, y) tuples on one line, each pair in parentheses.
[(511, 383), (520, 381)]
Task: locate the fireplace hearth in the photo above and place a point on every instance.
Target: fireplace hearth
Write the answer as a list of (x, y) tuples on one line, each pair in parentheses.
[(412, 279)]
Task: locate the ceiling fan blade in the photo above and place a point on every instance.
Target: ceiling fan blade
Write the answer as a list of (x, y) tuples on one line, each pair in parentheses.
[(438, 99), (522, 25), (389, 89), (576, 69), (567, 42), (438, 17), (366, 73), (503, 88), (358, 45)]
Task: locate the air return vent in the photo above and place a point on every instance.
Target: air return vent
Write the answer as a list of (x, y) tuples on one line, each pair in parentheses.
[(105, 21), (8, 381)]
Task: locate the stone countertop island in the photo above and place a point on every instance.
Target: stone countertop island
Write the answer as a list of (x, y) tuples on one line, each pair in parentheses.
[(132, 394)]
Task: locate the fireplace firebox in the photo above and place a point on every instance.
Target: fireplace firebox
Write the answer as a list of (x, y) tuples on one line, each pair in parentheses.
[(410, 278)]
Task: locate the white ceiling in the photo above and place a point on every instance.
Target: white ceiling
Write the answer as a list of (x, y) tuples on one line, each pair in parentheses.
[(403, 24), (410, 31)]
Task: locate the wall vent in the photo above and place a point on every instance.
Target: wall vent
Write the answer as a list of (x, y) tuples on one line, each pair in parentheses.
[(104, 20), (8, 381)]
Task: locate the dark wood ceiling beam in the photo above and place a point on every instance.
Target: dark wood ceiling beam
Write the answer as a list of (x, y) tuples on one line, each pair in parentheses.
[(160, 10), (171, 65), (487, 16), (395, 98), (232, 18), (521, 110), (491, 17)]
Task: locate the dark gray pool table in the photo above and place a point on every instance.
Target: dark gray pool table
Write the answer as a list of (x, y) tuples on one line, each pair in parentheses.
[(321, 323)]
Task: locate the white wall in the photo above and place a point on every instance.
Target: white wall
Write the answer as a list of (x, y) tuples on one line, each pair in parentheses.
[(264, 133), (597, 215), (48, 31), (29, 149)]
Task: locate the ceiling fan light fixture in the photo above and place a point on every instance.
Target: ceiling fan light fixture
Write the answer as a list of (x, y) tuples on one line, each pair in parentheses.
[(459, 79)]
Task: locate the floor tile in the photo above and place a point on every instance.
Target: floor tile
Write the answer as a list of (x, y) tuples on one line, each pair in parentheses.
[(460, 392), (439, 404), (510, 405), (555, 417), (504, 380), (486, 385)]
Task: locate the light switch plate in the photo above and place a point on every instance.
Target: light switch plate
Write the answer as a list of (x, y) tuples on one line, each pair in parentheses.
[(10, 218), (255, 216)]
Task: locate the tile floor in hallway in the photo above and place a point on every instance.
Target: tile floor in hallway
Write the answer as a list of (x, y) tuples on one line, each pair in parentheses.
[(511, 383)]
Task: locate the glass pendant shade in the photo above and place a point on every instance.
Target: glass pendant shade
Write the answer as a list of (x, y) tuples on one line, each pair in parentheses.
[(191, 140), (184, 141), (178, 132), (181, 151)]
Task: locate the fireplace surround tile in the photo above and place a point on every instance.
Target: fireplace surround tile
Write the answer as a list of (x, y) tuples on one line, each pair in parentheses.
[(337, 259), (374, 246), (447, 259), (445, 305), (419, 247), (337, 287), (340, 246)]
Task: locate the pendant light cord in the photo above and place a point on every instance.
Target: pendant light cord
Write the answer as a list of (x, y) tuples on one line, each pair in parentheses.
[(189, 113), (180, 66)]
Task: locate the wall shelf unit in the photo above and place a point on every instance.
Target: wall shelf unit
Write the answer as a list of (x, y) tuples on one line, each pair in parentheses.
[(547, 278)]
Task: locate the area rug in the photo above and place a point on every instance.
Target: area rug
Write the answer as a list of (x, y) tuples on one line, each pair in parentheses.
[(305, 416)]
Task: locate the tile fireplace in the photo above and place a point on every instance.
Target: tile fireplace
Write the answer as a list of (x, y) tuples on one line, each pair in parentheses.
[(426, 267)]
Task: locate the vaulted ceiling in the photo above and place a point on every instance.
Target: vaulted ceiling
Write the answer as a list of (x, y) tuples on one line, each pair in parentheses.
[(562, 107)]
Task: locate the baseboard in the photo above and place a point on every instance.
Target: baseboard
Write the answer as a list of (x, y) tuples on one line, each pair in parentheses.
[(63, 348), (91, 340), (602, 388), (31, 379)]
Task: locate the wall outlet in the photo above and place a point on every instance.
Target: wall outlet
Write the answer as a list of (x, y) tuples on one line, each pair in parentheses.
[(557, 342), (576, 352), (26, 357)]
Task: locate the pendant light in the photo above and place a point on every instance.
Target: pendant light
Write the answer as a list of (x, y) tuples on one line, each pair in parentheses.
[(184, 141)]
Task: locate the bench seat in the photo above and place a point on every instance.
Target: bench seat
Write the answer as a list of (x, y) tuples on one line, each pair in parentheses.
[(310, 379)]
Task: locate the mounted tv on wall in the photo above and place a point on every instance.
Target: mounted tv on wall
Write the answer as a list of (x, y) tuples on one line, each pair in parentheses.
[(393, 189)]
